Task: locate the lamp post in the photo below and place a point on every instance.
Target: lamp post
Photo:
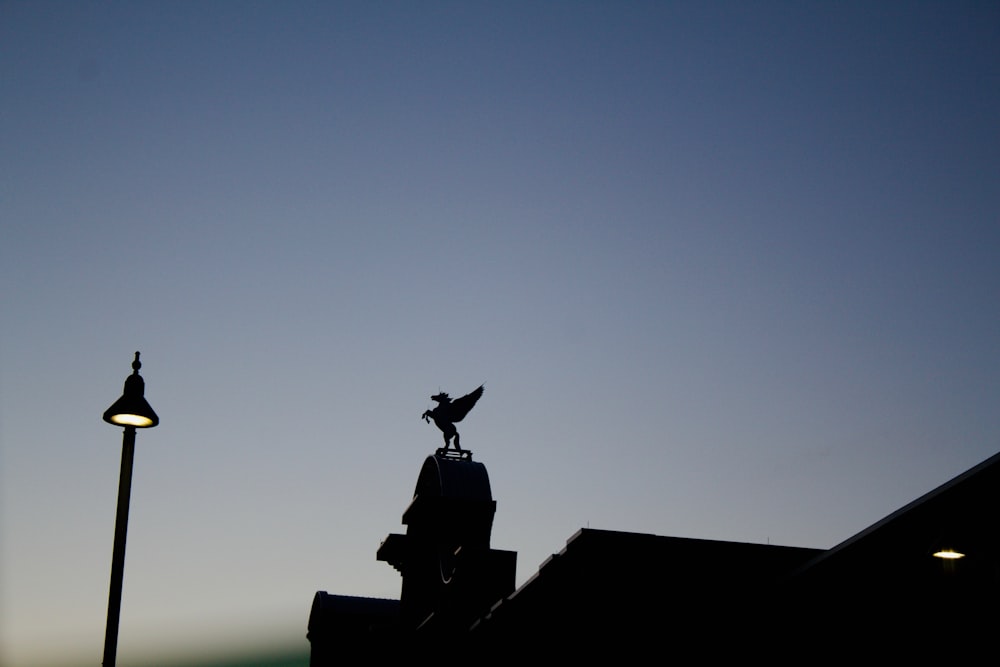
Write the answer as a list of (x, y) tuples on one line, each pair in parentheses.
[(131, 411)]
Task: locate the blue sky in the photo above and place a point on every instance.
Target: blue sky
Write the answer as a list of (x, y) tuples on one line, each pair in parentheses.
[(728, 271)]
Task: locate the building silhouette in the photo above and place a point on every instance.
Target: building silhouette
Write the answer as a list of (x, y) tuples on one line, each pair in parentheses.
[(888, 592)]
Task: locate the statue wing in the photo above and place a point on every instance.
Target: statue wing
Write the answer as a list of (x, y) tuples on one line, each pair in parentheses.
[(461, 406)]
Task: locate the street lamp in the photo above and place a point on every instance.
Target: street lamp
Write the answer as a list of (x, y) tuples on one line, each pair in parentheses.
[(131, 411)]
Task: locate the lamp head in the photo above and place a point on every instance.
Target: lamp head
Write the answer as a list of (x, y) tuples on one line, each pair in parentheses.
[(132, 409)]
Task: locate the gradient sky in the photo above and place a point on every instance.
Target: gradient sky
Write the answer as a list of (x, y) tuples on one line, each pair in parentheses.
[(729, 270)]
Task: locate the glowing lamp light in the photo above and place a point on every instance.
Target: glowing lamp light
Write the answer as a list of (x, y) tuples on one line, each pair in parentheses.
[(128, 419), (948, 554), (132, 409)]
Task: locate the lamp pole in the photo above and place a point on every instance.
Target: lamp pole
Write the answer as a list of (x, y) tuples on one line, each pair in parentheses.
[(131, 411), (118, 556)]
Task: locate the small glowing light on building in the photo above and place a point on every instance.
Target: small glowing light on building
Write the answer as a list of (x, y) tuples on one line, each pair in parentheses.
[(949, 554)]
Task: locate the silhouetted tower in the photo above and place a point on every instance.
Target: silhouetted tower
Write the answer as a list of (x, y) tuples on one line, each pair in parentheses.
[(451, 576)]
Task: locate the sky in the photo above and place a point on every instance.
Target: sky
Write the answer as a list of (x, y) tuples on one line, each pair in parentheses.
[(728, 271)]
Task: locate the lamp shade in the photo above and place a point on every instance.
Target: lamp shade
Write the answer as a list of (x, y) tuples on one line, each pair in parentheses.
[(132, 409)]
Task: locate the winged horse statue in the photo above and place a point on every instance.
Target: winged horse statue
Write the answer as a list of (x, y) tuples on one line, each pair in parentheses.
[(449, 412)]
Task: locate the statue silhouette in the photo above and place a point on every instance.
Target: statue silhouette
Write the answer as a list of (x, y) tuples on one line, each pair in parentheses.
[(448, 412)]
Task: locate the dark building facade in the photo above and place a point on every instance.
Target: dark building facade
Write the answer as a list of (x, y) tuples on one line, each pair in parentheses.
[(885, 592)]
